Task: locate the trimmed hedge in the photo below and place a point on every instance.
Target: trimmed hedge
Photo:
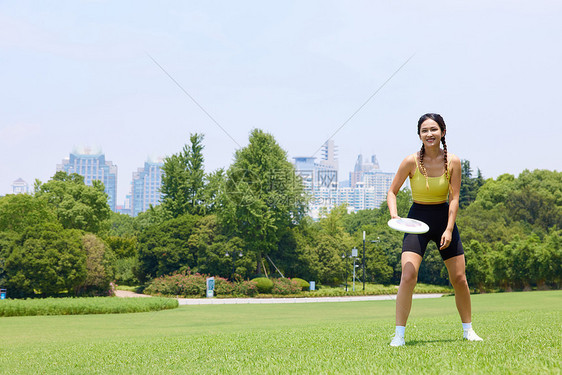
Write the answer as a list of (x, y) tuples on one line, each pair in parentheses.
[(305, 285), (83, 306), (264, 284)]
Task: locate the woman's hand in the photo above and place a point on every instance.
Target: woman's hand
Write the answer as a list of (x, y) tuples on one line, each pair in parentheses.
[(446, 239)]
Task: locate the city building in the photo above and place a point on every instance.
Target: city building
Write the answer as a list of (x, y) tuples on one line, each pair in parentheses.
[(362, 167), (366, 188), (368, 185), (93, 166), (145, 188), (125, 208), (19, 186), (320, 179)]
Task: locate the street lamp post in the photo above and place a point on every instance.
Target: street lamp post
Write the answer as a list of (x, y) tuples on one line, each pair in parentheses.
[(354, 254), (363, 261), (345, 256)]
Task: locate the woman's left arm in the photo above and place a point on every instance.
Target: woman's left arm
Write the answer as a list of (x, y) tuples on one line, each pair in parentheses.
[(454, 195)]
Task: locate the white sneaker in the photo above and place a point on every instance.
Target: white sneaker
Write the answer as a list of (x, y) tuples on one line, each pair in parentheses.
[(470, 335), (397, 340)]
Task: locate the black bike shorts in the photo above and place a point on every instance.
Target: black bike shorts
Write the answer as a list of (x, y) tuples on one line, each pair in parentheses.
[(436, 217)]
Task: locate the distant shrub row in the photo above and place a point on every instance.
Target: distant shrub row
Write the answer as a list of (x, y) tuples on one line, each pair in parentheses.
[(82, 306), (189, 285)]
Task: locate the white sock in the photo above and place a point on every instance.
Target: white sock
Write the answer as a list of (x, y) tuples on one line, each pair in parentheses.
[(466, 326), (400, 330)]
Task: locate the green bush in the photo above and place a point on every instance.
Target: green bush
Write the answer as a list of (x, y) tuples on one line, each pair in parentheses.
[(98, 270), (264, 284), (178, 284), (46, 260), (246, 288), (223, 286), (123, 269), (285, 286), (305, 285), (83, 305)]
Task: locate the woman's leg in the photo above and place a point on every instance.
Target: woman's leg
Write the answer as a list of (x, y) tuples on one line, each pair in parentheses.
[(410, 265), (457, 276)]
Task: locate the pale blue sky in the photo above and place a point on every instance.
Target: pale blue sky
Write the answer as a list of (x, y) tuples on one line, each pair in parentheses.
[(77, 73)]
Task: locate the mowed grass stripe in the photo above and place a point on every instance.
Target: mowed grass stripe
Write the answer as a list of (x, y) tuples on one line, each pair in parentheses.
[(521, 332)]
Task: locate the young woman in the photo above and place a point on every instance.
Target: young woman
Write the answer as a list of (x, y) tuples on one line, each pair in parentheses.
[(435, 180)]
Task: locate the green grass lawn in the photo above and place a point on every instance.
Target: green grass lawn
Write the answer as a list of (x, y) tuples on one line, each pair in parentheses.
[(521, 332)]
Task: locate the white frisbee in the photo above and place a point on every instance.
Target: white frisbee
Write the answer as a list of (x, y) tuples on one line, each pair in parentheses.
[(408, 225)]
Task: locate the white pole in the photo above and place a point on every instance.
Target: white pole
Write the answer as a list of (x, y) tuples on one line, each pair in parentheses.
[(354, 273)]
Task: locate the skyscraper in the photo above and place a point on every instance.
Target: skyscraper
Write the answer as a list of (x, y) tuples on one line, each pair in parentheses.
[(145, 188), (93, 166), (365, 190), (19, 186), (320, 179), (368, 185), (362, 167)]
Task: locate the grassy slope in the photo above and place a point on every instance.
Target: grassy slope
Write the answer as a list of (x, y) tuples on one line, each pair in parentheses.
[(521, 332)]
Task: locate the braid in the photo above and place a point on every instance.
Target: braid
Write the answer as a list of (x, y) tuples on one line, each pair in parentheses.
[(424, 171), (445, 157), (445, 154)]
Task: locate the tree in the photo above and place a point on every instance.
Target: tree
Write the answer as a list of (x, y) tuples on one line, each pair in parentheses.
[(377, 267), (214, 182), (501, 262), (98, 269), (262, 196), (164, 248), (403, 203), (20, 211), (155, 215), (122, 225), (7, 243), (122, 247), (76, 205), (478, 265), (551, 264), (216, 254), (432, 269), (328, 259), (183, 181), (46, 259), (469, 185)]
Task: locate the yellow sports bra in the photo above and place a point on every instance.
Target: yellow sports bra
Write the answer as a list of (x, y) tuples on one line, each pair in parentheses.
[(430, 189)]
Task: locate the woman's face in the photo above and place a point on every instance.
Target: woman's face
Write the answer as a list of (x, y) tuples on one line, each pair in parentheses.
[(430, 133)]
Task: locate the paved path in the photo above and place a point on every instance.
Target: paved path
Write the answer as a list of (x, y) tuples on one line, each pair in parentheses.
[(245, 301), (241, 301), (126, 293)]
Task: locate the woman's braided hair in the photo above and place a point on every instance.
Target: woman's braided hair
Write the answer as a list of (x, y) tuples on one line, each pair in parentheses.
[(439, 120)]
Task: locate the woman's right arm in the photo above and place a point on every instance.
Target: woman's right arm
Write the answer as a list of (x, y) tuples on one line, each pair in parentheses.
[(404, 170)]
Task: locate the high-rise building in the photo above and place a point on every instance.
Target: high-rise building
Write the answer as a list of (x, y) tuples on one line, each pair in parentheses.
[(362, 167), (93, 166), (145, 189), (366, 189), (379, 182), (320, 179), (370, 184), (19, 186), (125, 208)]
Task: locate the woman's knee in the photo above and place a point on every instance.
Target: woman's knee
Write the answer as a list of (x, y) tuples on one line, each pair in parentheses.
[(459, 280), (409, 276)]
